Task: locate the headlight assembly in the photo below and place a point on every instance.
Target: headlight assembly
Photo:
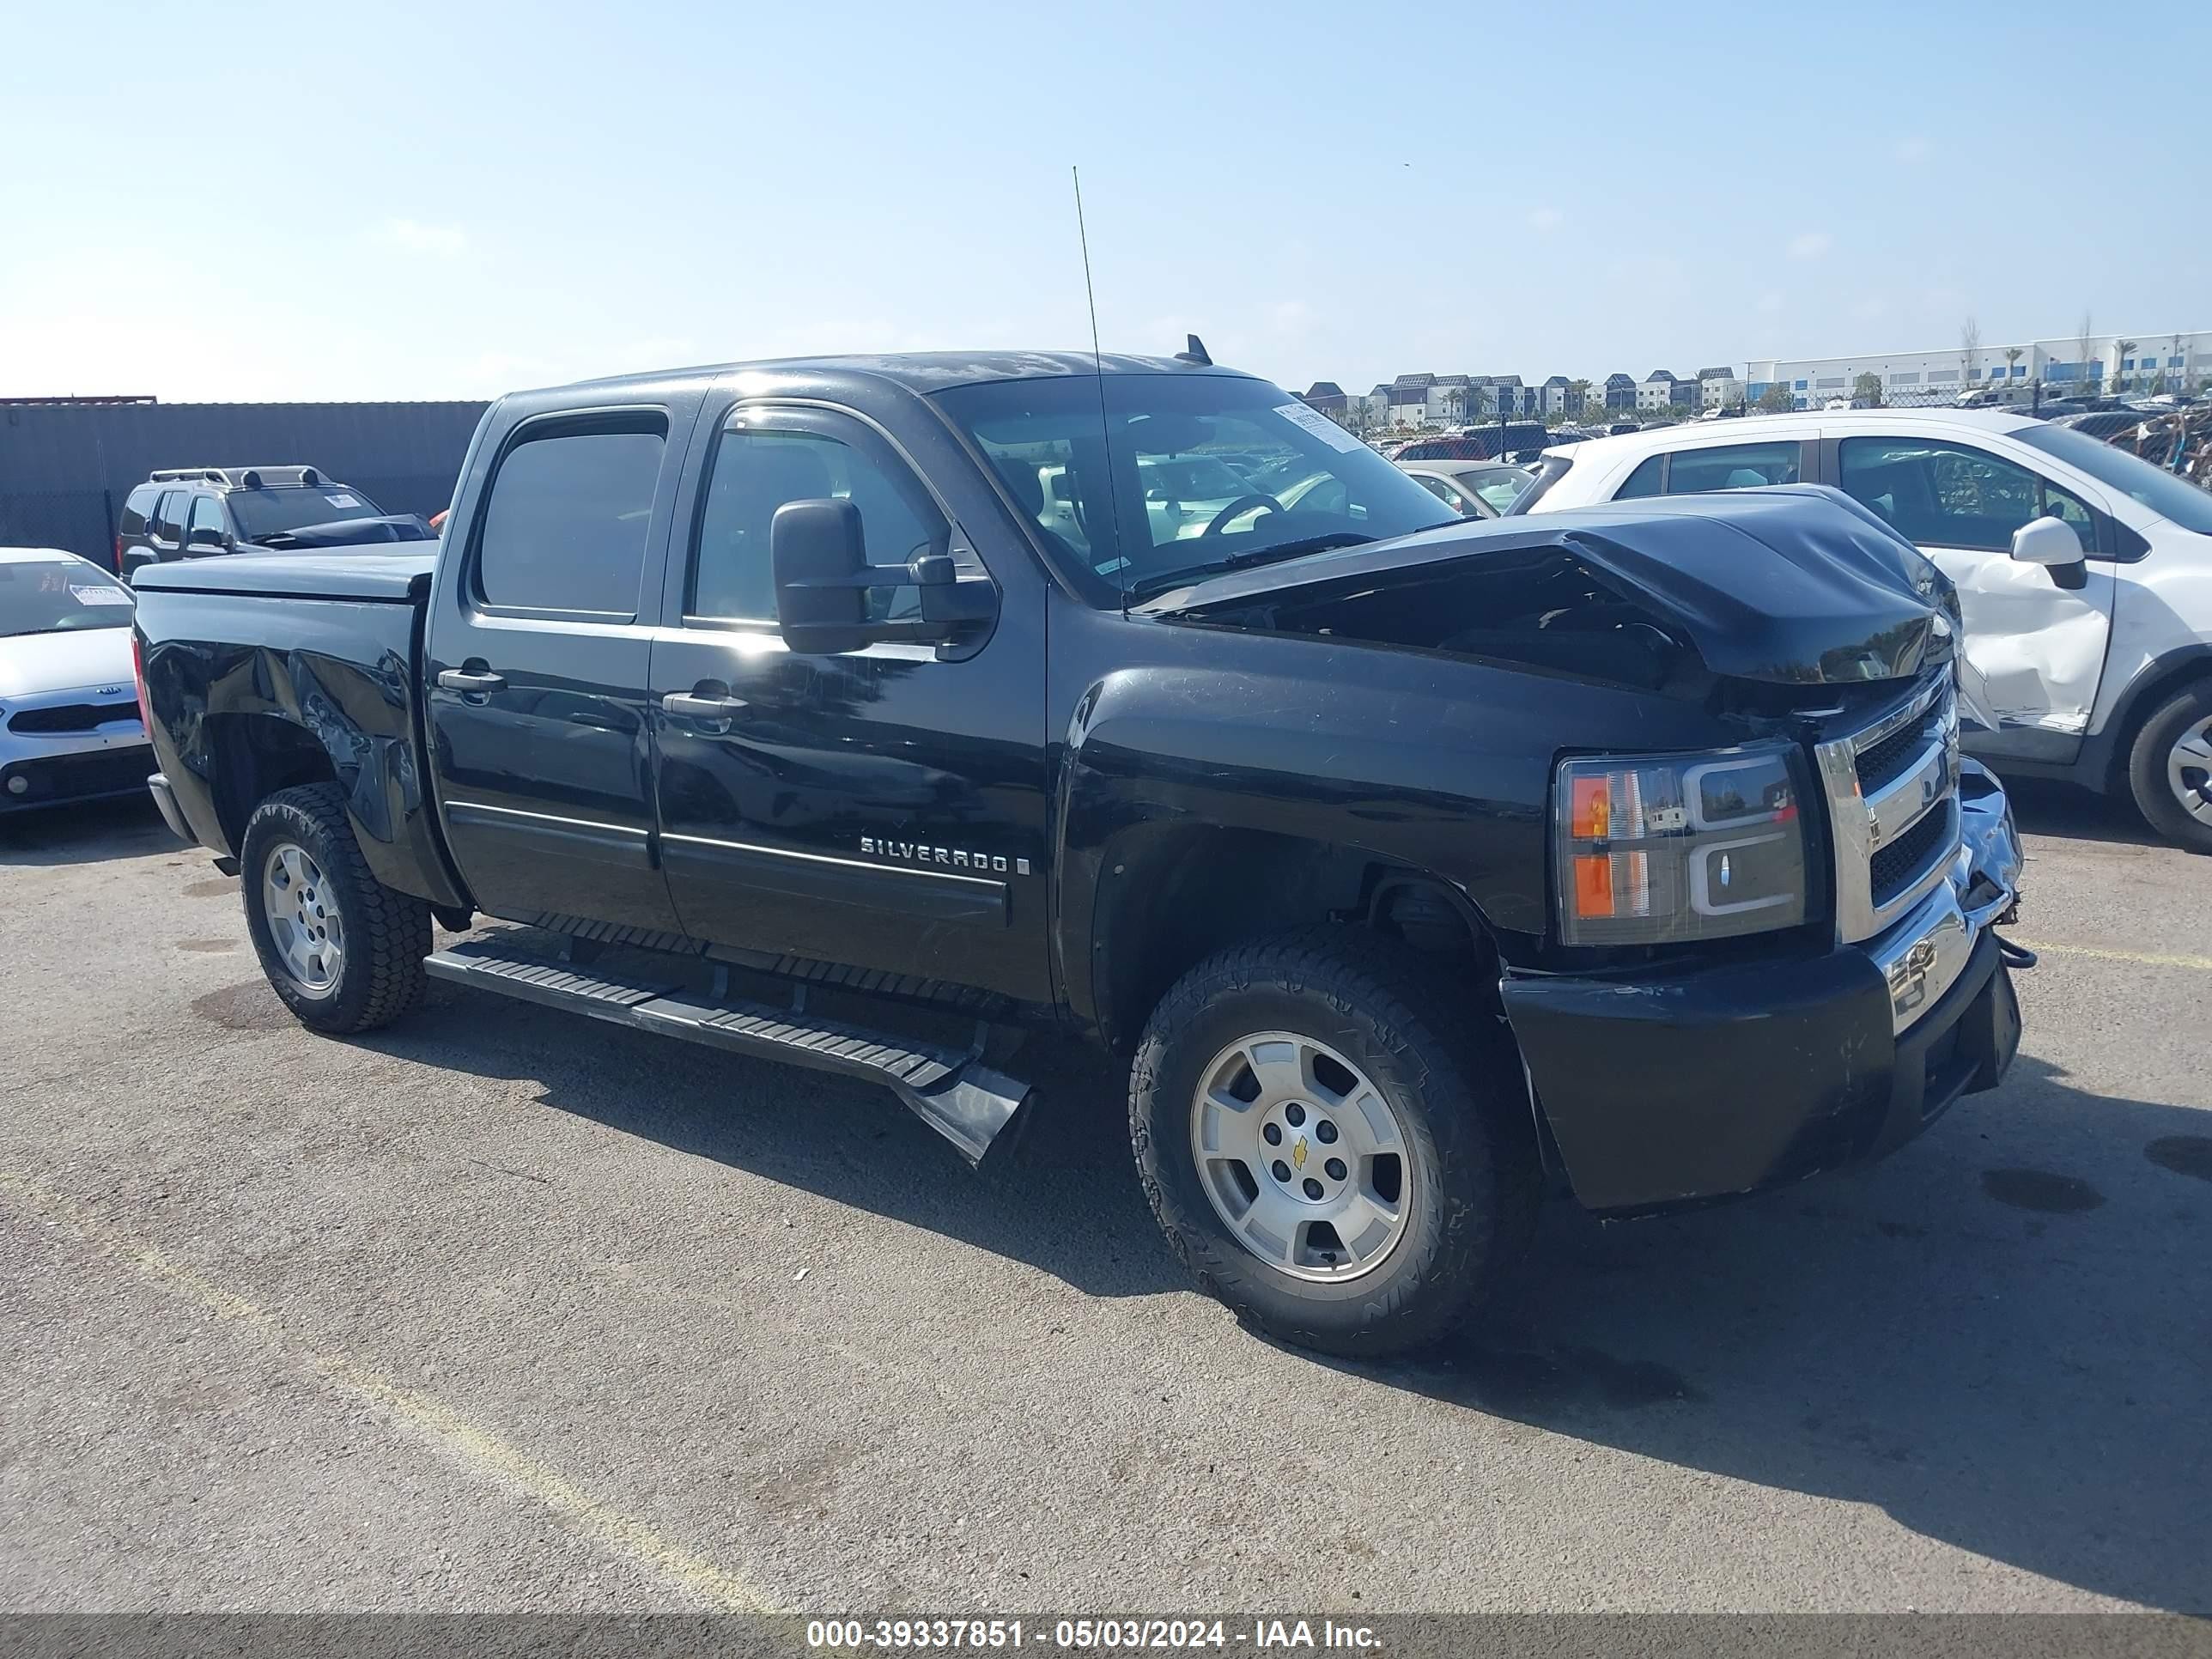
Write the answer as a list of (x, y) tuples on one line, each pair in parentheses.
[(1659, 849)]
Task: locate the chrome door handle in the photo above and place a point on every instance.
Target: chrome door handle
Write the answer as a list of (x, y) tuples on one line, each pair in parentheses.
[(464, 679), (687, 707)]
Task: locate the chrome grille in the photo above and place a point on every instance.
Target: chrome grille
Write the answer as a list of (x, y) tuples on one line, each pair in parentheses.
[(1895, 866), (1877, 764), (1892, 785)]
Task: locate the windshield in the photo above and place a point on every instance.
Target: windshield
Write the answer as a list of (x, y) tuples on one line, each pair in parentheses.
[(1205, 471), (54, 596), (1498, 486), (2163, 493), (267, 512)]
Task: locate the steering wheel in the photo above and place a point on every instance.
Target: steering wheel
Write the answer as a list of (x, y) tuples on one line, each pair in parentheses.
[(1242, 505)]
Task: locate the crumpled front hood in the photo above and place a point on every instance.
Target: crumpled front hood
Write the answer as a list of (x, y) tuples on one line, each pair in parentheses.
[(1795, 585)]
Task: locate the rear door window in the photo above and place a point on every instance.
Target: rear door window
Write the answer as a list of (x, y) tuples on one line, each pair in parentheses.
[(1644, 481), (169, 516), (1734, 466), (565, 519)]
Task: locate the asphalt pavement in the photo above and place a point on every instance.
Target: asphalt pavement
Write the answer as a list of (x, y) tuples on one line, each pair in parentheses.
[(493, 1310)]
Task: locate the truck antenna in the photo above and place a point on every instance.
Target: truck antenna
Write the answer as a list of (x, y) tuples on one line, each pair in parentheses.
[(1105, 422)]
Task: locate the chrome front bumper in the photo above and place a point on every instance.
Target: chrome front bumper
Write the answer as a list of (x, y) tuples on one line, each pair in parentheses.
[(1922, 955)]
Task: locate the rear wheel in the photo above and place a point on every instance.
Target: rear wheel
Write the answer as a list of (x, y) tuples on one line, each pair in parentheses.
[(2170, 768), (344, 951), (1334, 1154)]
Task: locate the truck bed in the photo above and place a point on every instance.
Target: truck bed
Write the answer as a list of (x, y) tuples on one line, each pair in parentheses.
[(375, 574)]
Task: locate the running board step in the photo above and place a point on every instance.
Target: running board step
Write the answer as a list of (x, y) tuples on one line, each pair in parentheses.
[(949, 1089)]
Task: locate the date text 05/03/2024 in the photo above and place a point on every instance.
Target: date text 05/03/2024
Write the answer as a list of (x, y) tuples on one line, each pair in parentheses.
[(1259, 1634)]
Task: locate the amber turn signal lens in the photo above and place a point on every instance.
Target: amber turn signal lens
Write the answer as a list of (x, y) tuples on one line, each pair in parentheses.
[(1594, 885), (1591, 818)]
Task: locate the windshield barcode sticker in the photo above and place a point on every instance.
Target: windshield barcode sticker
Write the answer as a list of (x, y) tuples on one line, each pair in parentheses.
[(343, 501), (99, 595), (1320, 425)]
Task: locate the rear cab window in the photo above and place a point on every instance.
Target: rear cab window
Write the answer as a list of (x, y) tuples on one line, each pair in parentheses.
[(565, 521)]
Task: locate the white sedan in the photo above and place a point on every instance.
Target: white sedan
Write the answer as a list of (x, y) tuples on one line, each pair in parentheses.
[(69, 724)]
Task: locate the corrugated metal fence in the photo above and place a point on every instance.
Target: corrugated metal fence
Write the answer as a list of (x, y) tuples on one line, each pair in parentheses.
[(66, 468)]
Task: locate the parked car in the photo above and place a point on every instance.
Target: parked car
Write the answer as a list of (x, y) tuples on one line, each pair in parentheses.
[(191, 511), (1416, 862), (2104, 424), (69, 724), (1479, 443), (2084, 573), (1474, 490)]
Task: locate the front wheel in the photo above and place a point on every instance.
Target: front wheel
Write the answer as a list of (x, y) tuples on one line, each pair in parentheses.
[(2170, 768), (344, 951), (1335, 1154)]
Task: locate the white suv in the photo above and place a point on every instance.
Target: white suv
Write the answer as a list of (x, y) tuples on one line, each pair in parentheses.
[(2084, 574)]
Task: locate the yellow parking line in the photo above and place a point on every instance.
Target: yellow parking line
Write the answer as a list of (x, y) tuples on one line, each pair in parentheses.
[(482, 1452), (2106, 953)]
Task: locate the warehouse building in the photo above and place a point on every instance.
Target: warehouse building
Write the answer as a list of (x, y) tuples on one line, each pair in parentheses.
[(2152, 362)]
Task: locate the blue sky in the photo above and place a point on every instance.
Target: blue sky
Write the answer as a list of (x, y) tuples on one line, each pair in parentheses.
[(231, 200)]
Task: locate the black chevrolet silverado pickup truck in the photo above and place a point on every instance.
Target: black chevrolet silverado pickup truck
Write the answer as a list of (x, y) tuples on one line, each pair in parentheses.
[(864, 714)]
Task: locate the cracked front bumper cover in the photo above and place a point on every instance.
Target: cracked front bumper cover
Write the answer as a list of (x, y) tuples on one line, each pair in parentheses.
[(1667, 1089)]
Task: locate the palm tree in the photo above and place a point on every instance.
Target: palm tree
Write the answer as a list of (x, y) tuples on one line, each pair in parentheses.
[(2121, 349)]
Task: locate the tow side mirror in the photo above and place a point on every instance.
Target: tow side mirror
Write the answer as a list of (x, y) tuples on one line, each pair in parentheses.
[(823, 579), (207, 535), (820, 563), (2053, 543)]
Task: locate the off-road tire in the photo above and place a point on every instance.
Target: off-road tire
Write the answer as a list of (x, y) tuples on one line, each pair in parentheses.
[(387, 934), (2146, 767), (1452, 1076)]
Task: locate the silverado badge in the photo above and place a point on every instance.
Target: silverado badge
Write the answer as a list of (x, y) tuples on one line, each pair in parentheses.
[(947, 858)]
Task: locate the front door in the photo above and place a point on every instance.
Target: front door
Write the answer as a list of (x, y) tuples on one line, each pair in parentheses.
[(883, 809), (537, 667), (2039, 646)]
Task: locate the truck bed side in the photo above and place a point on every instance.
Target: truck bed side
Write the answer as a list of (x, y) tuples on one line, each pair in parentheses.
[(266, 672)]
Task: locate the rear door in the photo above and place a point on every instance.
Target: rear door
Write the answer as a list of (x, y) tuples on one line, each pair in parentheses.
[(536, 663), (880, 809), (164, 533), (2041, 646)]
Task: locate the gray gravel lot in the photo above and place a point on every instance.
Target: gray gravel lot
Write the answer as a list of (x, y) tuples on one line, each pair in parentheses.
[(492, 1311)]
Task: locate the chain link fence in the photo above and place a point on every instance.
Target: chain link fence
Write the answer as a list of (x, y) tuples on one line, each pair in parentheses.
[(80, 521)]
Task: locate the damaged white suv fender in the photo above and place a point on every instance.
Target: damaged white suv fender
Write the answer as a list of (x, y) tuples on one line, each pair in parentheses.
[(2084, 573)]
